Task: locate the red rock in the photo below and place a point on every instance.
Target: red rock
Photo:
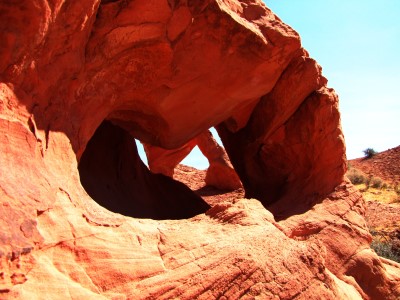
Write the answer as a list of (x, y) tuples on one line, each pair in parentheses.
[(277, 155), (220, 172), (164, 72)]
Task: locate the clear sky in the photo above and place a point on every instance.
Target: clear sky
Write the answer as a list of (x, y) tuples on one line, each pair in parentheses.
[(357, 43)]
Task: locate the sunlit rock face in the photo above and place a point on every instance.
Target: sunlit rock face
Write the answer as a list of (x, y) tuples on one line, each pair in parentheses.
[(82, 217)]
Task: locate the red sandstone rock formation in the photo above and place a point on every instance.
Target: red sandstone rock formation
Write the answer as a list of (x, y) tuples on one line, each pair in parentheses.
[(163, 72), (220, 173), (112, 172)]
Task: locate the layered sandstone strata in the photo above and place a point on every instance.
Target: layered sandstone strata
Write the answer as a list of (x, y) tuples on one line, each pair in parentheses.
[(79, 80)]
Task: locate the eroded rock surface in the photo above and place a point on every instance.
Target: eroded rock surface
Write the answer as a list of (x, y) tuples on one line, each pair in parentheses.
[(220, 173), (114, 176), (163, 72)]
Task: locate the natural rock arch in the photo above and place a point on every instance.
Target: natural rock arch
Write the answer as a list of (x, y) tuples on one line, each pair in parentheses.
[(165, 71), (113, 174), (220, 173)]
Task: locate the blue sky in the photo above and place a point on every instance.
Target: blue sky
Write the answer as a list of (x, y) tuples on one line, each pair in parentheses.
[(357, 43)]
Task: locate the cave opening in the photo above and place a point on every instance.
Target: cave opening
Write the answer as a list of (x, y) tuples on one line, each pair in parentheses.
[(113, 174)]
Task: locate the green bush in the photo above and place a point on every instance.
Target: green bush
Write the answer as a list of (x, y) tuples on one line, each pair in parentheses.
[(369, 152), (355, 176)]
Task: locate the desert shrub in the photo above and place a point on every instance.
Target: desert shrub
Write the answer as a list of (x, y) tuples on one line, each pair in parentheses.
[(368, 182), (369, 152), (376, 182), (384, 186), (386, 249), (355, 176), (386, 245), (397, 189)]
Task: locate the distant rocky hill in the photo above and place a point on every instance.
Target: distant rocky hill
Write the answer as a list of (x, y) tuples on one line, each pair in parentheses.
[(385, 165), (382, 200)]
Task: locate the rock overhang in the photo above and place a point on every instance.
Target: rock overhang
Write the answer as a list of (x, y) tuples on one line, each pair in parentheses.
[(164, 71)]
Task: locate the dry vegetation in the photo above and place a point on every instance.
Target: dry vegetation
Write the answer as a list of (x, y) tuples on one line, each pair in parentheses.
[(374, 188), (376, 191)]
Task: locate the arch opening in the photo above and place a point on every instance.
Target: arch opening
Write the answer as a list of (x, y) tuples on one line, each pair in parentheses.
[(113, 174), (219, 173)]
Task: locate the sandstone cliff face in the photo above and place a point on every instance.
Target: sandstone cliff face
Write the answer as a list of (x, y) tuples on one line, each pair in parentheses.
[(79, 77)]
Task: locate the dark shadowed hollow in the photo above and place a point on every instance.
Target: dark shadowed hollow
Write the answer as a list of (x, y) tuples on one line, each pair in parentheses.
[(113, 174)]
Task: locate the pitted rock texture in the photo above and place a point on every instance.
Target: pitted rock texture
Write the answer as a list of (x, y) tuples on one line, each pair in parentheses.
[(162, 72)]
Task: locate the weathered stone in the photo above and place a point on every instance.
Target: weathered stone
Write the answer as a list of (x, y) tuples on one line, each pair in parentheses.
[(163, 72), (220, 172)]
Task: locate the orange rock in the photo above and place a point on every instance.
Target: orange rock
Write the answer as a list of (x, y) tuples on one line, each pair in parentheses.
[(164, 72), (164, 161), (220, 173)]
